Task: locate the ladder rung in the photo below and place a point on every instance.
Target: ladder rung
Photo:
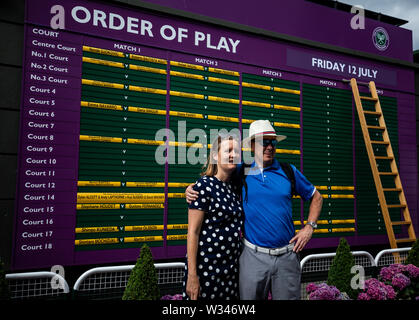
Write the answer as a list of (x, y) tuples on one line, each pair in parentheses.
[(388, 173), (396, 206), (375, 113), (400, 223), (376, 127), (383, 158), (368, 98), (379, 142), (392, 189), (405, 240)]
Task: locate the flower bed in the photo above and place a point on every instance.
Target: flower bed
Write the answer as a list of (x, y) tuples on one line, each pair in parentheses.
[(172, 297), (396, 281)]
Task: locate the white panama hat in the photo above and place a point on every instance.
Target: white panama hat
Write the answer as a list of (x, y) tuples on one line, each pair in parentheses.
[(261, 128)]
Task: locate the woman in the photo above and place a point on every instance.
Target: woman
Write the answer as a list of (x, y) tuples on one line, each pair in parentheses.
[(214, 223)]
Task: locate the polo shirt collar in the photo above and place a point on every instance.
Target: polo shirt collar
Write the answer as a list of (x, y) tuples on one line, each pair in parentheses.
[(274, 166)]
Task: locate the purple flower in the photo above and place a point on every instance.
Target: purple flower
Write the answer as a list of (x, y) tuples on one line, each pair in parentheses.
[(400, 281), (387, 273), (364, 296), (391, 294), (324, 292), (311, 287), (170, 297), (376, 290), (412, 271)]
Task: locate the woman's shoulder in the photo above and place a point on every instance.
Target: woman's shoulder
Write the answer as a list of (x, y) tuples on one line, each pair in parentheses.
[(204, 181)]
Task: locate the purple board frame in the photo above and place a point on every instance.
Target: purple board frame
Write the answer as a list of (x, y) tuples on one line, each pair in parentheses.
[(291, 61)]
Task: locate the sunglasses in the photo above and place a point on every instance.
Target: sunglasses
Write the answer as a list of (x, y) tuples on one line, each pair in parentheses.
[(267, 142)]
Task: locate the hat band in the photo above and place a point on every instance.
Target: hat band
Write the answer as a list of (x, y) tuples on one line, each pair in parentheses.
[(265, 132)]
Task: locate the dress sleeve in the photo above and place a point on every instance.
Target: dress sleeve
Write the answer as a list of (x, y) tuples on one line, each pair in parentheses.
[(303, 187), (204, 198)]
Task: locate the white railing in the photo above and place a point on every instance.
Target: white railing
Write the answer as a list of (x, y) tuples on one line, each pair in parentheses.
[(98, 281), (36, 284), (111, 281), (323, 261), (390, 256)]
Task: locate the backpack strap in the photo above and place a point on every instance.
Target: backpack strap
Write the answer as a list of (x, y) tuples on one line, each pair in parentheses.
[(291, 176), (243, 176), (284, 165)]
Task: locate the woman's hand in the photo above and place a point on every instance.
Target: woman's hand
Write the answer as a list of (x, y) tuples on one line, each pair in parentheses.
[(191, 194), (192, 286)]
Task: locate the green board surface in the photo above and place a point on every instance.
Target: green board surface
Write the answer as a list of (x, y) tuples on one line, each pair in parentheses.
[(127, 193)]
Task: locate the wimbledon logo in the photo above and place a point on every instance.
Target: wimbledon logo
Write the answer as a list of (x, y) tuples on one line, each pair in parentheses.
[(380, 38)]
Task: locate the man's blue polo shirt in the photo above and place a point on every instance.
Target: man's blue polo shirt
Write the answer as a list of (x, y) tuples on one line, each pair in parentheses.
[(268, 209)]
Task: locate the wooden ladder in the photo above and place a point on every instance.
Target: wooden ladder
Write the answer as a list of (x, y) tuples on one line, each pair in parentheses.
[(406, 220)]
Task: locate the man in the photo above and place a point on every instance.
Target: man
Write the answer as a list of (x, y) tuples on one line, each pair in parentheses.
[(269, 261)]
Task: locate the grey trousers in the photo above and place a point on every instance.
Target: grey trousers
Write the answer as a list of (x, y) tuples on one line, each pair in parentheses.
[(261, 273)]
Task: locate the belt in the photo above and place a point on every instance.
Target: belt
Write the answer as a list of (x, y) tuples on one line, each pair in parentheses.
[(272, 252)]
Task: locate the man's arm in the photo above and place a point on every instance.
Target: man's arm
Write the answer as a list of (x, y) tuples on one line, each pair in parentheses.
[(304, 235), (191, 194)]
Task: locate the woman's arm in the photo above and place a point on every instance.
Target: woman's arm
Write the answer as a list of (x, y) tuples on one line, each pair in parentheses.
[(195, 218)]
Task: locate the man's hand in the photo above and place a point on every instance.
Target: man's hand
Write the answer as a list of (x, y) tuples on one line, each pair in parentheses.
[(191, 194), (305, 233), (302, 237)]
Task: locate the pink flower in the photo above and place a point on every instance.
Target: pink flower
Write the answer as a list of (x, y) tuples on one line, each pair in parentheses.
[(325, 292), (387, 273), (400, 281), (376, 290), (364, 296), (412, 271), (311, 287), (170, 297)]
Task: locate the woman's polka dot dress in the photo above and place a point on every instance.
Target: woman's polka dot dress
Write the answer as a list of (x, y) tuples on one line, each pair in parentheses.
[(219, 244)]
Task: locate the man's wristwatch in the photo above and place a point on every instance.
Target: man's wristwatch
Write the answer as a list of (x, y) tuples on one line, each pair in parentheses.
[(312, 224)]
